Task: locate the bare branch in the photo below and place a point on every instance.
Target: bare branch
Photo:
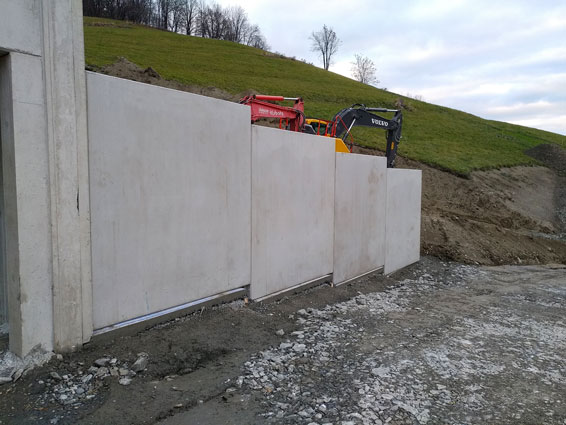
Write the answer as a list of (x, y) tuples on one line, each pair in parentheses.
[(364, 70)]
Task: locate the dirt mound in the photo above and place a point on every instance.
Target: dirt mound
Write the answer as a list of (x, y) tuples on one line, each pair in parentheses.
[(553, 156), (123, 68), (507, 216), (481, 220)]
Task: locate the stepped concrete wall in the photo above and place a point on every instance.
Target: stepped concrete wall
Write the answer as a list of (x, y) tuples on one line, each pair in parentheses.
[(188, 200)]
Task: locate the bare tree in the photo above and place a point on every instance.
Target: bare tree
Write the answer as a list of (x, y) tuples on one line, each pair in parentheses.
[(192, 17), (325, 42), (177, 15), (237, 23), (364, 70), (191, 11)]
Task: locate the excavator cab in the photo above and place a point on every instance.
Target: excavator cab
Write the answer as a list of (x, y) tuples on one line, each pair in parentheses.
[(324, 128)]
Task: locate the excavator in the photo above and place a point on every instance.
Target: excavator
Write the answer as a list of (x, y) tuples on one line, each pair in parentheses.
[(339, 128)]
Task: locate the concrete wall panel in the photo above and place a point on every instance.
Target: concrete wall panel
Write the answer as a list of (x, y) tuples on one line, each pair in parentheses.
[(25, 183), (403, 218), (21, 26), (292, 209), (359, 232), (170, 197)]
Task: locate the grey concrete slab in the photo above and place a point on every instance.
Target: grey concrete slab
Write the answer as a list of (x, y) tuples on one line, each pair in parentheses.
[(65, 100), (403, 218), (359, 215), (27, 208), (21, 26), (292, 209), (170, 197)]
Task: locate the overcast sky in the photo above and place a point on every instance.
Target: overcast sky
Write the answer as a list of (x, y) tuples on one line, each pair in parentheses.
[(501, 60)]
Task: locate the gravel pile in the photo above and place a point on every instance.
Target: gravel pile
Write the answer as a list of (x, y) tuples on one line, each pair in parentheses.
[(401, 357), (13, 368), (314, 376)]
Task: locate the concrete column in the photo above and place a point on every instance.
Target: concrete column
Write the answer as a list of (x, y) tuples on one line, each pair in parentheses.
[(45, 174), (26, 202), (68, 169)]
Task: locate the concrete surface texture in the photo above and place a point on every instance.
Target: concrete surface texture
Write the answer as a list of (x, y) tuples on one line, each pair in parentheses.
[(292, 209), (43, 118), (170, 197), (21, 26), (359, 215), (403, 218), (26, 202)]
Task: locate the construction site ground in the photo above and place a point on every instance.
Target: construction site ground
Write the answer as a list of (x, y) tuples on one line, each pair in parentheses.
[(474, 333)]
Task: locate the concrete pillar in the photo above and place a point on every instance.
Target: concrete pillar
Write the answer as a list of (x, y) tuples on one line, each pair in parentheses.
[(45, 174), (68, 158), (26, 202)]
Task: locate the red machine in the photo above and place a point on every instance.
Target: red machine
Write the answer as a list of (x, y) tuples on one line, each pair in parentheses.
[(291, 118)]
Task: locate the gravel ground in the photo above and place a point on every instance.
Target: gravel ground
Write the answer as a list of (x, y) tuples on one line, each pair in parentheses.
[(438, 343), (467, 345)]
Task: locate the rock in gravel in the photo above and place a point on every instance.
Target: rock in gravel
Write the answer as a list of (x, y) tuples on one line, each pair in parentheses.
[(102, 372), (280, 332), (302, 312), (5, 379), (55, 376), (125, 381), (141, 362), (17, 374), (101, 362)]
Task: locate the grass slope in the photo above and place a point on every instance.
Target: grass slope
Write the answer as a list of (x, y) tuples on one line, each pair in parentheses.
[(435, 135)]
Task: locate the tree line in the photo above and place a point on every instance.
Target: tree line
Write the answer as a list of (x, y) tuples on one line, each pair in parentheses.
[(190, 17)]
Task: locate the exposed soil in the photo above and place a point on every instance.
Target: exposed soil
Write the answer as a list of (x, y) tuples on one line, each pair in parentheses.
[(507, 216), (553, 156), (437, 343), (123, 68)]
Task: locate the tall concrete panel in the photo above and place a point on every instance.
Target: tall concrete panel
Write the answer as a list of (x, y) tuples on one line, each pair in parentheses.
[(170, 197), (45, 179), (21, 26), (25, 185), (359, 215), (403, 219), (292, 209)]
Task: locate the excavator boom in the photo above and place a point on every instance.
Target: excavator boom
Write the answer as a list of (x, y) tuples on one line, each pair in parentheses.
[(360, 115)]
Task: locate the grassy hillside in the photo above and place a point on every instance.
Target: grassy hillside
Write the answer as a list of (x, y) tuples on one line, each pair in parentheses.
[(432, 134)]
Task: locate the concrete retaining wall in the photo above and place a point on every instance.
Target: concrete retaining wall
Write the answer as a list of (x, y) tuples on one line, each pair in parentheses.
[(403, 219), (292, 209), (359, 235), (170, 197), (171, 193), (185, 205)]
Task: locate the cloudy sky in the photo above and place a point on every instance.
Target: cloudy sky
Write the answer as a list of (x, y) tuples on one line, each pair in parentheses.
[(499, 59)]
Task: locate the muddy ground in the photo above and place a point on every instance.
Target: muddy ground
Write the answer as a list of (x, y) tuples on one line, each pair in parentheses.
[(435, 343), (438, 342)]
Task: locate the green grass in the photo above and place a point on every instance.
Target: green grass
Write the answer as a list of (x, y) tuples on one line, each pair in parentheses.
[(442, 137)]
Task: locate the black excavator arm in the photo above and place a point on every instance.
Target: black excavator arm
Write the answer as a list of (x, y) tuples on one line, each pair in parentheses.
[(358, 114)]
